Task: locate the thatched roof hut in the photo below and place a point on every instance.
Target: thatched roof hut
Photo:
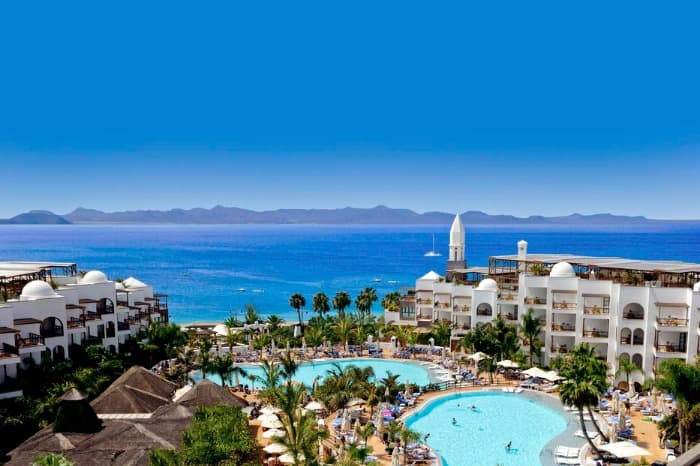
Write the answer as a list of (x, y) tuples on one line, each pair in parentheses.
[(207, 393)]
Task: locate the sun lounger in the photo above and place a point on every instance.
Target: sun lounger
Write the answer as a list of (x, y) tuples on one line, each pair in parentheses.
[(567, 461), (567, 452)]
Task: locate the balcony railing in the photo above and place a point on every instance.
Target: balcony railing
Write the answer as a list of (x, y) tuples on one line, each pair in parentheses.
[(631, 341), (634, 315), (509, 316), (671, 322), (484, 312), (670, 348), (508, 297), (75, 322), (442, 305), (8, 351), (535, 301), (563, 305), (457, 308), (122, 326), (563, 327), (424, 301), (596, 310), (32, 340), (595, 333), (91, 315)]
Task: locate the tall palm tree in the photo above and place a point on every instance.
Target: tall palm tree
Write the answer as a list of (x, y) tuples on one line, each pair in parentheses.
[(238, 371), (390, 383), (364, 302), (205, 363), (441, 331), (223, 366), (343, 330), (585, 381), (297, 302), (341, 301), (289, 365), (627, 367), (530, 331), (506, 337), (391, 301), (274, 322), (320, 304), (408, 436), (682, 380)]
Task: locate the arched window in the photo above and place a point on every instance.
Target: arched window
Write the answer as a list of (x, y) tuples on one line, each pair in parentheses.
[(104, 306), (625, 336), (51, 327), (637, 360), (484, 309), (59, 353), (638, 337), (633, 311), (625, 356)]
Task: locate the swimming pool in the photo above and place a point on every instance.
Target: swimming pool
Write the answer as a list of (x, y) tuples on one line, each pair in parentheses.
[(480, 435), (412, 371)]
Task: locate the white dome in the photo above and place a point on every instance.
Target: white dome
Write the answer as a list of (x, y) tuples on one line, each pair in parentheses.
[(131, 282), (430, 276), (487, 284), (119, 285), (696, 287), (94, 276), (562, 269), (37, 289)]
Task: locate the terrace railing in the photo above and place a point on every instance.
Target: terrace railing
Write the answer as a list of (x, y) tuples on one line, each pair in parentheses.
[(563, 305), (123, 326), (9, 351), (633, 315), (670, 348), (75, 322), (595, 333), (563, 327), (484, 312), (55, 331), (31, 340), (535, 300), (671, 322), (596, 310)]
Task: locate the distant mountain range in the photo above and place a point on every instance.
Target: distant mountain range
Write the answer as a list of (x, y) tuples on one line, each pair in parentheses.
[(344, 216)]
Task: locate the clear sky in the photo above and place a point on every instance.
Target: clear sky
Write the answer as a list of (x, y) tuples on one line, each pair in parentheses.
[(518, 108)]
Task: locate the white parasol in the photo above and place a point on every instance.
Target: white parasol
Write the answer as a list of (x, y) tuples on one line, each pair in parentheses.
[(314, 406), (289, 459), (275, 448), (354, 402), (345, 425), (273, 433), (508, 364), (269, 410), (272, 424), (478, 356), (624, 449), (268, 417), (395, 460)]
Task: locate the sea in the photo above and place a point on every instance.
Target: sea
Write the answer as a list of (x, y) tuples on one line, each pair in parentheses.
[(211, 272)]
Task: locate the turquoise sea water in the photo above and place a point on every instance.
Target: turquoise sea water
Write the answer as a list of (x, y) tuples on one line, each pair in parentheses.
[(202, 267), (413, 372), (480, 435)]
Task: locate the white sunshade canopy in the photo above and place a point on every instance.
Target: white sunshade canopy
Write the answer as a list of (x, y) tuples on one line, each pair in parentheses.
[(552, 376), (625, 449), (314, 406), (508, 364), (270, 410), (273, 433), (478, 356), (268, 417), (536, 372), (272, 424), (289, 459), (275, 448)]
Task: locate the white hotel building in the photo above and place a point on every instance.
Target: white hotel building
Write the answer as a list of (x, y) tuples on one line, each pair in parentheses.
[(47, 307), (646, 311)]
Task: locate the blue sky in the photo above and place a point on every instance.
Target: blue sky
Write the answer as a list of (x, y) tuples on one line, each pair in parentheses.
[(509, 108)]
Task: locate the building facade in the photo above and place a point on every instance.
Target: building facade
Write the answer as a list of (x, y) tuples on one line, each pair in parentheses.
[(643, 311), (48, 307)]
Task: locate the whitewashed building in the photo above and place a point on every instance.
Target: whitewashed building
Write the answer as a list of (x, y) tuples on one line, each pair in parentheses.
[(47, 307), (645, 311)]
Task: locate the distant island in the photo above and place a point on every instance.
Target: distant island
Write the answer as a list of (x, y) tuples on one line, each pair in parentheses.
[(345, 216)]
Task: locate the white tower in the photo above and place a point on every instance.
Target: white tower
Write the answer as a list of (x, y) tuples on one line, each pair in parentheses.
[(457, 245)]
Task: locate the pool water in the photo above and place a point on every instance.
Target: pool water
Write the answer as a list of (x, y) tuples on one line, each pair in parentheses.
[(413, 372), (480, 435)]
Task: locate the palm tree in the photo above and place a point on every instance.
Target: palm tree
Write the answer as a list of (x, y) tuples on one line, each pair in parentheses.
[(343, 329), (251, 315), (390, 383), (320, 304), (238, 371), (314, 335), (408, 436), (223, 365), (585, 381), (297, 302), (682, 380), (487, 365), (530, 332), (507, 339), (341, 301), (441, 331), (627, 367), (364, 302), (274, 322), (52, 459), (289, 365), (205, 363), (391, 301)]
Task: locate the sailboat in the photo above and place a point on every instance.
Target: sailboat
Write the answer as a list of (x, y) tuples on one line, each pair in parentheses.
[(432, 253)]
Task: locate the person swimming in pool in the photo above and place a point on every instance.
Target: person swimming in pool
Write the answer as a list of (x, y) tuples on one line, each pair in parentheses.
[(509, 446), (454, 421)]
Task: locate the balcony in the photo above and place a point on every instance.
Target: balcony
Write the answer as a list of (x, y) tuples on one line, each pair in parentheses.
[(484, 312), (509, 316), (8, 351), (509, 297), (631, 341), (457, 308), (670, 348), (595, 334), (563, 306), (671, 322), (52, 331), (536, 301), (91, 316), (563, 327), (32, 340), (596, 310), (439, 305), (424, 301), (75, 322), (123, 326)]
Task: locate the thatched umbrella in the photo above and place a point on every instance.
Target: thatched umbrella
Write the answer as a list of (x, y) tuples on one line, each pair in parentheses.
[(75, 414)]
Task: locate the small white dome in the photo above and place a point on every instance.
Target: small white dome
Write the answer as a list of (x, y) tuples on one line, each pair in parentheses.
[(562, 269), (37, 289), (94, 276), (696, 287), (131, 282), (487, 284), (119, 285), (430, 276)]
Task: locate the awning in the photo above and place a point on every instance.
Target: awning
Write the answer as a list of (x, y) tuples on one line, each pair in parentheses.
[(625, 449)]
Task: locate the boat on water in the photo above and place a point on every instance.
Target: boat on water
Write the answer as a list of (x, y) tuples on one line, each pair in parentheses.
[(377, 280), (433, 252), (258, 291), (242, 290)]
